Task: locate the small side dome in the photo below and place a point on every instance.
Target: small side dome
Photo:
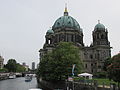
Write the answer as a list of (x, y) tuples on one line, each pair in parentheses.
[(81, 29), (50, 31), (99, 26)]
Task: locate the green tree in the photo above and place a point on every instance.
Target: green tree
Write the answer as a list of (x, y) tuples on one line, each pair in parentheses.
[(114, 68), (20, 68), (3, 70), (57, 65), (107, 62), (11, 65)]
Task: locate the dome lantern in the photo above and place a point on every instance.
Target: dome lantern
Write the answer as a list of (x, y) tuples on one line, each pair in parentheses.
[(66, 11)]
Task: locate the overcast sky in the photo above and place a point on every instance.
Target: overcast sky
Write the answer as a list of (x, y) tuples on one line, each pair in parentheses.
[(23, 24)]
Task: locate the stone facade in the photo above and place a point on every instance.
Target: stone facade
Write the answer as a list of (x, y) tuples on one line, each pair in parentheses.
[(1, 62), (67, 29)]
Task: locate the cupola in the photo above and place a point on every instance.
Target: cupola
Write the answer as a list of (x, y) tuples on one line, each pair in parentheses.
[(66, 21), (99, 26), (50, 31)]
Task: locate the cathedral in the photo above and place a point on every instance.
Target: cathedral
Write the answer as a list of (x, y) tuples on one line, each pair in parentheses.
[(67, 29)]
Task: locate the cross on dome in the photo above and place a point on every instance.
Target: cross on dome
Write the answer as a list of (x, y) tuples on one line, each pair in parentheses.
[(66, 11), (98, 21)]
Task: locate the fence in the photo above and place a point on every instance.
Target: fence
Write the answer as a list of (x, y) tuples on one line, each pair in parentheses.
[(77, 85)]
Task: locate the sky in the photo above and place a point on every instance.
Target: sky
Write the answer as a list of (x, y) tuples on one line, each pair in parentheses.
[(24, 23)]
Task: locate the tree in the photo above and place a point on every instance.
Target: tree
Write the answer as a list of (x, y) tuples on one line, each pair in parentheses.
[(3, 70), (105, 73), (11, 65), (57, 65), (107, 62), (20, 68), (114, 68)]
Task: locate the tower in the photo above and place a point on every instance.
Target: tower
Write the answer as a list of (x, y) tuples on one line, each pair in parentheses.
[(100, 35), (49, 37), (102, 49), (33, 65), (1, 62)]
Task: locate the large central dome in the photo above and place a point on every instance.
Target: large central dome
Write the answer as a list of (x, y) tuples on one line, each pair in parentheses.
[(66, 21)]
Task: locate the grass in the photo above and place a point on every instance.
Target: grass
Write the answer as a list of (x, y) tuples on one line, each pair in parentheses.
[(100, 81), (104, 81)]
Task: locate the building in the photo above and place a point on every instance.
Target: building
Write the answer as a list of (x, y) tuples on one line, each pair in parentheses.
[(26, 66), (33, 65), (1, 62), (67, 29)]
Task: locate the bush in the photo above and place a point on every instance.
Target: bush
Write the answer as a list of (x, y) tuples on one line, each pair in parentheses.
[(100, 75), (3, 70)]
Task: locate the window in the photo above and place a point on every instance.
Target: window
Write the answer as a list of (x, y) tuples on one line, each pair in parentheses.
[(85, 65), (102, 36), (97, 36), (99, 67), (58, 23), (91, 56), (69, 22), (91, 64), (92, 70), (49, 41)]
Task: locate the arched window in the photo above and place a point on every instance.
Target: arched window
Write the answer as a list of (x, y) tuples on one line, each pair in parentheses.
[(49, 41), (97, 35), (102, 36), (69, 22), (85, 65), (91, 56), (58, 23)]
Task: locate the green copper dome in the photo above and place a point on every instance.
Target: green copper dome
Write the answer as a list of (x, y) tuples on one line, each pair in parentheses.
[(50, 31), (66, 21), (99, 26)]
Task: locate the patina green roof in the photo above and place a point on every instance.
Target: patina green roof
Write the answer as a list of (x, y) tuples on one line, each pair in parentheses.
[(99, 26), (66, 21)]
